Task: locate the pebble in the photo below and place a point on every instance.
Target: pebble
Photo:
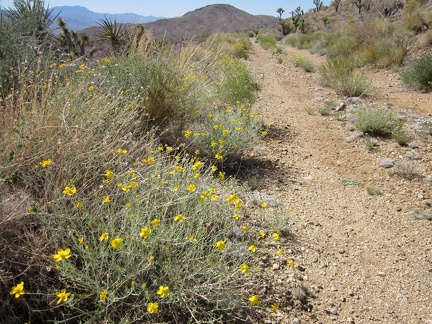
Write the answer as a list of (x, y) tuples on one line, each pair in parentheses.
[(413, 144), (332, 311), (381, 273), (413, 155), (301, 268), (353, 137), (387, 162)]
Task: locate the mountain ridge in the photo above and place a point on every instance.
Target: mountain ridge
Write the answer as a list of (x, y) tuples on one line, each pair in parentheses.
[(214, 18), (79, 17)]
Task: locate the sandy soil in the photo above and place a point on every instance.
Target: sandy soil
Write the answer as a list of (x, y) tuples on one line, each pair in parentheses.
[(360, 258)]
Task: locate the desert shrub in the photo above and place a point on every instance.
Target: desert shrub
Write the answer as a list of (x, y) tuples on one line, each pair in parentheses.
[(374, 191), (388, 50), (418, 72), (240, 51), (304, 63), (25, 38), (339, 74), (266, 41), (301, 41), (235, 83), (223, 137), (416, 18), (376, 121), (407, 169), (118, 226)]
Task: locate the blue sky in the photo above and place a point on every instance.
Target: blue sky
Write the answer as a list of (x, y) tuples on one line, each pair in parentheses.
[(174, 8)]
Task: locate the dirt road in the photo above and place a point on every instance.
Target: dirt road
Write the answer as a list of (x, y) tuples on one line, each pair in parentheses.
[(363, 256)]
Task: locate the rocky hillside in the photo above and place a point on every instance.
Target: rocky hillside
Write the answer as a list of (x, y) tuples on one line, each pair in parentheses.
[(212, 18)]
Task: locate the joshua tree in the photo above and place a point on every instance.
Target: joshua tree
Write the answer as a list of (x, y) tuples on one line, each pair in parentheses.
[(296, 17), (335, 4), (280, 12), (318, 5), (69, 39), (359, 5)]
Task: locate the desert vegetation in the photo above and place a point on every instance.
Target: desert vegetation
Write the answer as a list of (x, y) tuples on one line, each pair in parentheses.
[(354, 34), (118, 193), (116, 204)]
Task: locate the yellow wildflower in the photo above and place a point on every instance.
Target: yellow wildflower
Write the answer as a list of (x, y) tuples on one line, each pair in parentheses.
[(152, 308), (163, 291), (197, 165), (133, 184), (121, 151), (275, 308), (151, 160), (155, 222), (262, 234), (220, 245), (252, 248), (187, 133), (291, 263), (117, 243), (254, 300), (18, 290), (104, 236), (78, 204), (103, 295), (45, 163), (145, 232), (192, 238), (69, 191), (244, 268), (106, 200), (245, 229), (62, 295), (276, 236), (179, 218), (109, 174), (191, 187), (61, 254), (263, 204), (218, 156)]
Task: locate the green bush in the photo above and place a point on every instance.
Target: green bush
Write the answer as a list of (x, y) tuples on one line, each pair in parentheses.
[(304, 63), (339, 73), (154, 225), (88, 178), (389, 50), (376, 121), (266, 42), (419, 72), (240, 51)]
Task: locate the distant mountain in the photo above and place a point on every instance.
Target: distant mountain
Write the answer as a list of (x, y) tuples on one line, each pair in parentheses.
[(78, 17), (218, 18)]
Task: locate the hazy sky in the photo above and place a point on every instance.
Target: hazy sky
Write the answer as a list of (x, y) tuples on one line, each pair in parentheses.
[(174, 8)]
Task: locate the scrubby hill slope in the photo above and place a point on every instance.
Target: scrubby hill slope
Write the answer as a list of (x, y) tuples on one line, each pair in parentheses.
[(212, 18)]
